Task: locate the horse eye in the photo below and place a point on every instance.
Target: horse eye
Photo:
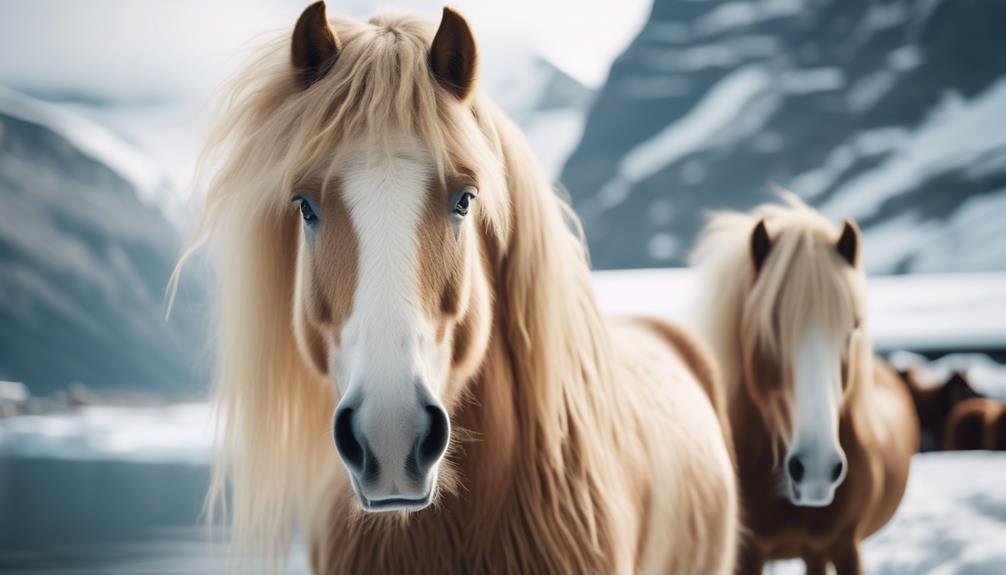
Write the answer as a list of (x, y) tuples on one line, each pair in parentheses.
[(463, 201), (306, 211)]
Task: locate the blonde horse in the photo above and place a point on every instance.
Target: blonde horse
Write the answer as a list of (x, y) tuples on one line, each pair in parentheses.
[(397, 275), (787, 323)]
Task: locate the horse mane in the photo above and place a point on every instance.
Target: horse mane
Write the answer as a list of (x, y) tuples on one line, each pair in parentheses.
[(744, 319), (275, 459)]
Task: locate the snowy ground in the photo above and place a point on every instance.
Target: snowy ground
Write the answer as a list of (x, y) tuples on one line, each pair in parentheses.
[(952, 520)]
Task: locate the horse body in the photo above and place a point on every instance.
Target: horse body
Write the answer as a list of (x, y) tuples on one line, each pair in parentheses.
[(784, 278), (864, 502), (398, 276)]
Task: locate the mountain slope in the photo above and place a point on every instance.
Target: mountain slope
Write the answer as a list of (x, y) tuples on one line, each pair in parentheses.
[(83, 265), (888, 112)]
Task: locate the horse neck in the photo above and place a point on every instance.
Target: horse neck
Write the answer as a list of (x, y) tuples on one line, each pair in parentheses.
[(752, 439)]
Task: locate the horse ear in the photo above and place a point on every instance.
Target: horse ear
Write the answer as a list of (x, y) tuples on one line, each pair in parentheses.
[(761, 245), (315, 46), (453, 57), (848, 242)]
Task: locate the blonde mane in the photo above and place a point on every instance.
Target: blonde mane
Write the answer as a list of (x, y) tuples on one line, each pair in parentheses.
[(276, 460), (745, 320)]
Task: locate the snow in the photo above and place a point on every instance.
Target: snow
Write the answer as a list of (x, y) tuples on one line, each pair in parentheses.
[(92, 139), (920, 312), (971, 239), (811, 80), (861, 145), (869, 90), (723, 54), (983, 374), (731, 15), (954, 136), (553, 134), (952, 520), (177, 433), (720, 107)]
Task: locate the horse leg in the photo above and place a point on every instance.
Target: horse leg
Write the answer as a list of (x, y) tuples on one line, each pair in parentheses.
[(816, 564), (847, 560), (751, 561)]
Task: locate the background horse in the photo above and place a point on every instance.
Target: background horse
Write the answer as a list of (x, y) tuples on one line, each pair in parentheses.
[(977, 423), (397, 273), (823, 432), (934, 405)]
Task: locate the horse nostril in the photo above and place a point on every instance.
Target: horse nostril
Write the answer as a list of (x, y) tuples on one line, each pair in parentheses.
[(836, 471), (350, 448), (795, 468), (433, 444)]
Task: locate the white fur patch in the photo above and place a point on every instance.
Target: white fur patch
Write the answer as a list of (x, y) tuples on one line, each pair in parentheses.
[(817, 382), (388, 344)]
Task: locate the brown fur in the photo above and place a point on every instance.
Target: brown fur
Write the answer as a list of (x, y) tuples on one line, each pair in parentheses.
[(453, 56), (864, 502), (314, 47), (748, 326), (977, 423), (577, 445), (934, 404)]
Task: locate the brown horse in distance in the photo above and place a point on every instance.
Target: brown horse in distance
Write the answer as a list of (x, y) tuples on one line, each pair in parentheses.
[(824, 432), (934, 404), (977, 423)]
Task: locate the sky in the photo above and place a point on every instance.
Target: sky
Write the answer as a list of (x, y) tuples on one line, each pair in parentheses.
[(145, 50)]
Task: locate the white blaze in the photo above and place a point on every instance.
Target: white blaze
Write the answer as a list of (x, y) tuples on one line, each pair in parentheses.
[(388, 345), (817, 381)]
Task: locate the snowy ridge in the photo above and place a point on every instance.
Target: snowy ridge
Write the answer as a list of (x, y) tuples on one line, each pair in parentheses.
[(97, 142), (888, 113)]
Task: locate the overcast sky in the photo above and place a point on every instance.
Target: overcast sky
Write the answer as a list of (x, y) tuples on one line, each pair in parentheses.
[(137, 50)]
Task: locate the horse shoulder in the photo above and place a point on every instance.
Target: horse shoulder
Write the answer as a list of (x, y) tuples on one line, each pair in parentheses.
[(693, 489)]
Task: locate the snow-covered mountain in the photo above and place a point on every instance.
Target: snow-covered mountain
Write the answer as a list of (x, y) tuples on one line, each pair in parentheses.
[(85, 254), (890, 112)]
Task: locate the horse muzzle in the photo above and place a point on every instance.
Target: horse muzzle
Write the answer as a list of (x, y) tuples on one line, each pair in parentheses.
[(392, 450)]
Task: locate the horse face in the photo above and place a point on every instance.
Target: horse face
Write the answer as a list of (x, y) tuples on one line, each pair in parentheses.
[(815, 462), (815, 323), (391, 298), (391, 305)]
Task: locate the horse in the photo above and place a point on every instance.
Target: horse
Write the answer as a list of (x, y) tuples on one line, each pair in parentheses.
[(398, 278), (934, 405), (786, 319), (977, 423)]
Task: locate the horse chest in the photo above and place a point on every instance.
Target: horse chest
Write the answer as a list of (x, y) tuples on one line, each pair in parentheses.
[(785, 529)]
